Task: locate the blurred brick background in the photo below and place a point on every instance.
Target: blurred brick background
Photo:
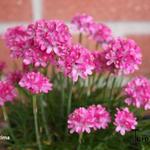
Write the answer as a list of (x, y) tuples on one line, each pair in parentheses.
[(129, 18)]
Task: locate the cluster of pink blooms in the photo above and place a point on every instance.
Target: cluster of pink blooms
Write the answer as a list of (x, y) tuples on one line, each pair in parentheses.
[(124, 55), (138, 93), (124, 121), (7, 92), (76, 62), (36, 83), (98, 31), (37, 42), (83, 120)]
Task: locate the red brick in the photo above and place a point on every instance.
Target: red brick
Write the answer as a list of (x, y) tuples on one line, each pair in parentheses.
[(104, 10), (15, 10), (143, 41)]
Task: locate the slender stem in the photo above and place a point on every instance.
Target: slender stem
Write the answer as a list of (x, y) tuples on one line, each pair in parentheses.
[(80, 38), (106, 85), (35, 110), (7, 121), (63, 95), (112, 88), (80, 141), (44, 118), (69, 99)]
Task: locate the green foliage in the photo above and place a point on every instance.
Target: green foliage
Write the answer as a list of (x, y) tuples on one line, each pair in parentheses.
[(97, 89)]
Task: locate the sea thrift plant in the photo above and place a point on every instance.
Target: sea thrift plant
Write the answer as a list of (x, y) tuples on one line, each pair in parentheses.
[(7, 92), (36, 83), (86, 94), (138, 92), (124, 55), (124, 121)]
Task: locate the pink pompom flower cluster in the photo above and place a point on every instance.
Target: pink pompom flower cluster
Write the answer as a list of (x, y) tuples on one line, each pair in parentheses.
[(138, 93), (97, 31), (7, 92), (37, 42), (36, 83), (124, 121), (83, 120), (124, 55), (76, 62)]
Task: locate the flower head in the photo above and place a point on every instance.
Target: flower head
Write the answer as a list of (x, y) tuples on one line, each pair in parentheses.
[(8, 92), (100, 117), (35, 83), (102, 33), (76, 62), (49, 35), (124, 121), (80, 121), (83, 120), (83, 23), (124, 55), (138, 93), (17, 40)]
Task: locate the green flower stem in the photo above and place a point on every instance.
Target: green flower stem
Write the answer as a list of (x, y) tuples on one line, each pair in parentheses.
[(62, 95), (69, 99), (80, 141), (106, 85), (35, 110), (7, 121), (112, 87), (44, 118)]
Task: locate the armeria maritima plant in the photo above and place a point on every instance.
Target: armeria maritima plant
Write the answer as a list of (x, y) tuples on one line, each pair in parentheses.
[(69, 95)]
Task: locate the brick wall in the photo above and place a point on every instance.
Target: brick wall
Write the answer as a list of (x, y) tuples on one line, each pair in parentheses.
[(129, 18)]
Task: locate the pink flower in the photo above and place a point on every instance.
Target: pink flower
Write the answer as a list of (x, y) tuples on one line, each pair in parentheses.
[(14, 77), (83, 120), (35, 83), (124, 121), (84, 23), (124, 55), (17, 40), (2, 66), (138, 93), (102, 33), (48, 35), (80, 121), (7, 92), (76, 62), (100, 117), (36, 57)]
